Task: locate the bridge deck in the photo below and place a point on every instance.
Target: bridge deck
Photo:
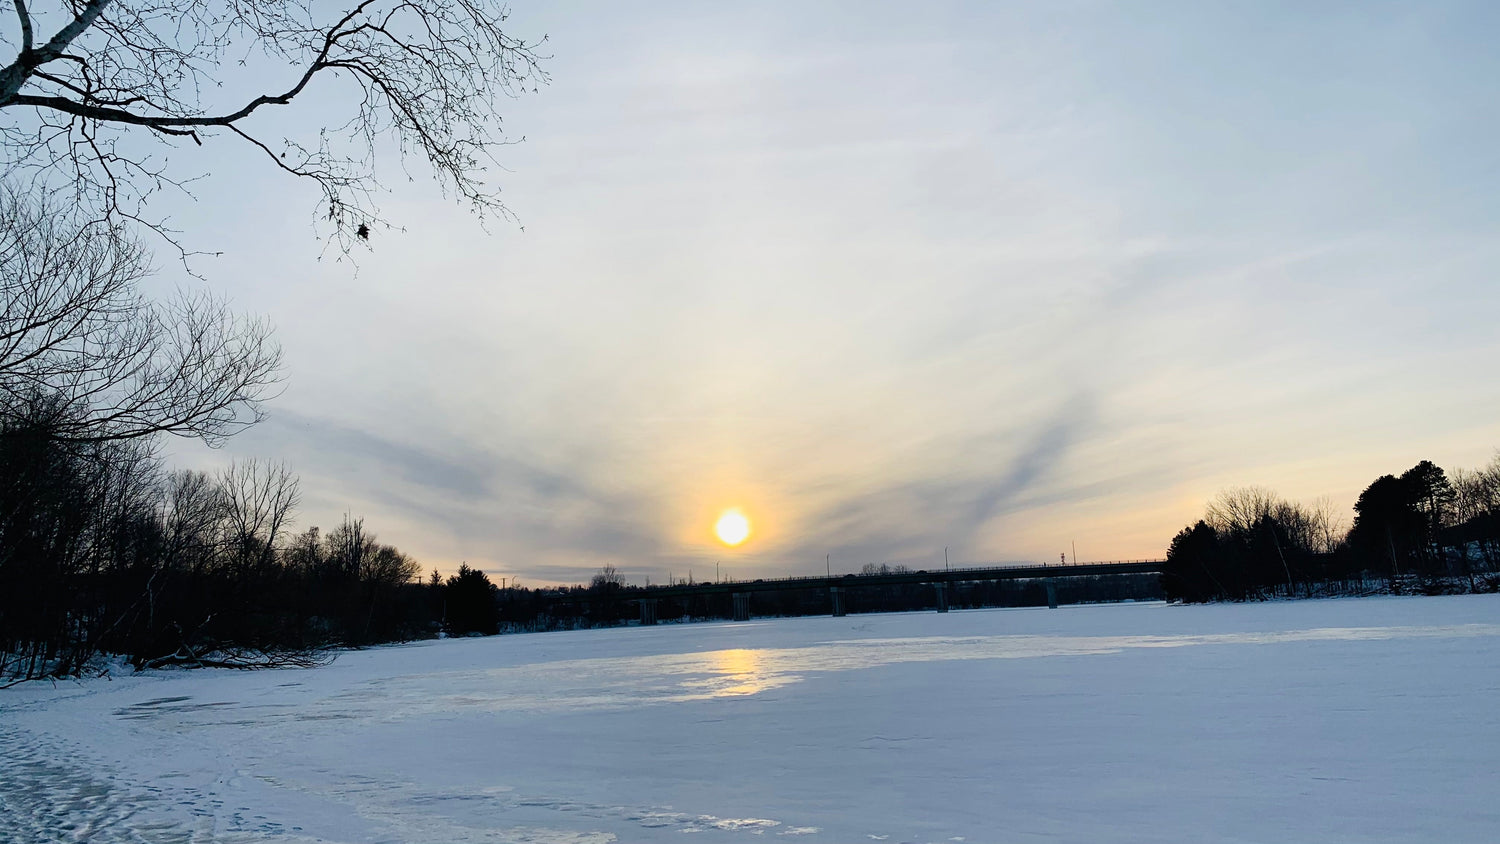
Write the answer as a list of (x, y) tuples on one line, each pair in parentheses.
[(959, 575)]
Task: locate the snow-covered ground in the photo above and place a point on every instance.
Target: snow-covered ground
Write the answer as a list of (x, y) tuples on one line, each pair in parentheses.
[(1354, 720)]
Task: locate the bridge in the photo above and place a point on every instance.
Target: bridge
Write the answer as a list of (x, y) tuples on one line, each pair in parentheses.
[(838, 586)]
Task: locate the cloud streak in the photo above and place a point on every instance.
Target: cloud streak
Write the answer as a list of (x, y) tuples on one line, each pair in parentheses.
[(1059, 272)]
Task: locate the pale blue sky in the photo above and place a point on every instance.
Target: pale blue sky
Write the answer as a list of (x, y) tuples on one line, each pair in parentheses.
[(893, 277)]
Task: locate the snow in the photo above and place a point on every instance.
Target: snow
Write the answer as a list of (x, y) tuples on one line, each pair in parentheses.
[(1371, 720)]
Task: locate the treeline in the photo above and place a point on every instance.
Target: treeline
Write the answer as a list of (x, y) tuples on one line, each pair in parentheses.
[(1422, 531), (102, 549)]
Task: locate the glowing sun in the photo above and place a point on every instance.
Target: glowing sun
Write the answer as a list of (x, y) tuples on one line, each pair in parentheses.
[(732, 528)]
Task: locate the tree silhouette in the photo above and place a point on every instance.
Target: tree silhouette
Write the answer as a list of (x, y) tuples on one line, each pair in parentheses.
[(76, 328), (1388, 527), (1432, 496), (469, 603)]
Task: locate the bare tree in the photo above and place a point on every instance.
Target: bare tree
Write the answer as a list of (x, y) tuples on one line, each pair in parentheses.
[(388, 566), (192, 513), (1489, 505), (1328, 525), (93, 83), (1242, 511), (304, 554), (259, 497), (606, 579), (1476, 512), (349, 548), (76, 331), (1239, 510)]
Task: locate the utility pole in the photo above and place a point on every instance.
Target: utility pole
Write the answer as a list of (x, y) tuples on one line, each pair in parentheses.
[(945, 558), (828, 564)]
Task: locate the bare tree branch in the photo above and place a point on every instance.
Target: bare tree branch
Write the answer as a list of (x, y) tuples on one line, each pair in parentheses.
[(76, 335), (27, 36), (426, 74)]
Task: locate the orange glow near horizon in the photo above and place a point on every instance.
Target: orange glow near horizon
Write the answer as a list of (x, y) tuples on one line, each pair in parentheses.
[(732, 528)]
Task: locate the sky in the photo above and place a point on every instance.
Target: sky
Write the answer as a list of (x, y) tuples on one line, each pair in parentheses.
[(999, 278)]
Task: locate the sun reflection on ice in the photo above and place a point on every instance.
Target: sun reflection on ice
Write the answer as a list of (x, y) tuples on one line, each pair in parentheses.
[(736, 673)]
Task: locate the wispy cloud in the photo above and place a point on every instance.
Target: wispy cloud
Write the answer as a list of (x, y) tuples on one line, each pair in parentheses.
[(992, 277)]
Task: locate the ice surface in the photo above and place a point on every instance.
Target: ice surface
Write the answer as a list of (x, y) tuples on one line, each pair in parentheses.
[(1353, 720)]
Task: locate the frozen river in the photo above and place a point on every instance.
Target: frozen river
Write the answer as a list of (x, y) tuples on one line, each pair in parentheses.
[(1366, 720)]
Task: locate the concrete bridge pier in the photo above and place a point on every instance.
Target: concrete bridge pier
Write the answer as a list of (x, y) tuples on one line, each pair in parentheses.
[(942, 596), (648, 610), (1051, 594), (742, 606), (836, 596)]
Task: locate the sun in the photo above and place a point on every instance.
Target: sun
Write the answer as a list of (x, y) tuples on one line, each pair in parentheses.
[(732, 528)]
